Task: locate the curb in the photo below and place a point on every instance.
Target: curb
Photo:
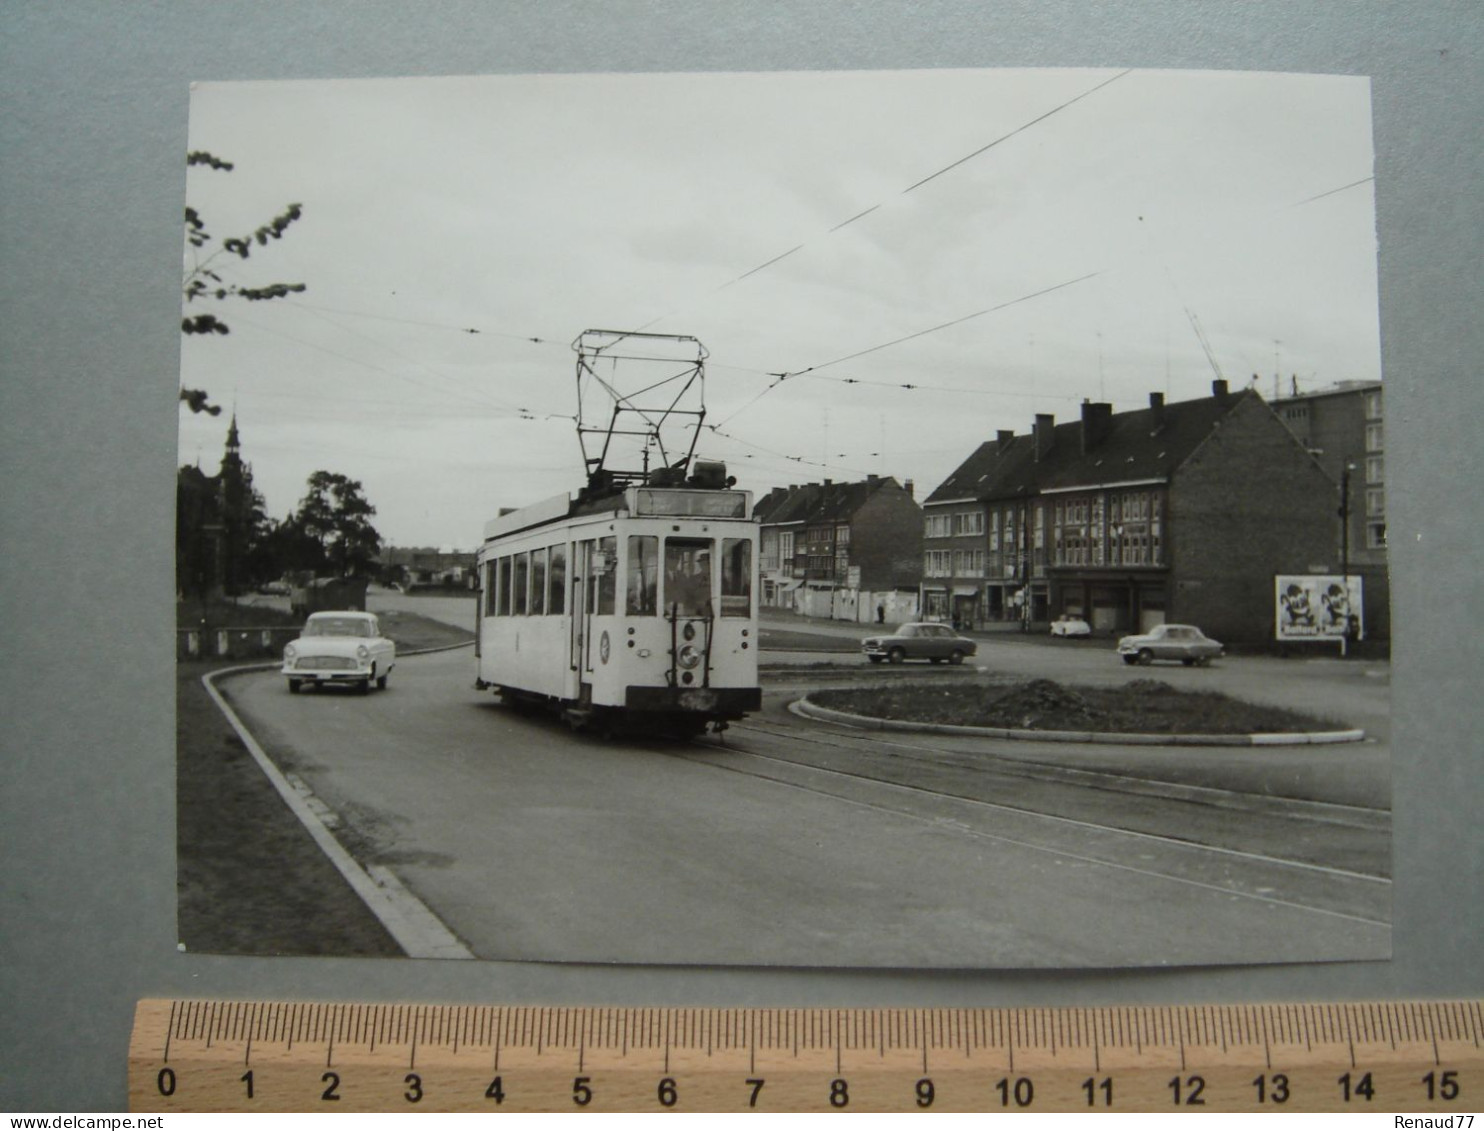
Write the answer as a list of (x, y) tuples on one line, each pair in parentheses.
[(410, 922), (1314, 738)]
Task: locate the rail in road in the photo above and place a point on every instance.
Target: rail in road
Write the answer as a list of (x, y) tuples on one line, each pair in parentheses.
[(1322, 856), (794, 842)]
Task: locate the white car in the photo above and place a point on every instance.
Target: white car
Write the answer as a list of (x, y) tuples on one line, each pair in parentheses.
[(1070, 626), (339, 647)]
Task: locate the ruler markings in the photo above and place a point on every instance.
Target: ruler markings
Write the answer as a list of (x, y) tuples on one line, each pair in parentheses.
[(1401, 1043)]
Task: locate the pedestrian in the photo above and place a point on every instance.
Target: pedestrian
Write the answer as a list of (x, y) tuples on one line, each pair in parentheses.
[(880, 614)]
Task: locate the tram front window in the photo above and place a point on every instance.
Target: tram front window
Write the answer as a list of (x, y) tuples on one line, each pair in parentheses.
[(644, 561), (688, 576)]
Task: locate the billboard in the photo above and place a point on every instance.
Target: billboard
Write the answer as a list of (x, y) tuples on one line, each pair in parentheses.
[(1317, 607)]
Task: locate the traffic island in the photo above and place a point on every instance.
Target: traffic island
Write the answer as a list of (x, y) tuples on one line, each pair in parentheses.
[(1140, 712)]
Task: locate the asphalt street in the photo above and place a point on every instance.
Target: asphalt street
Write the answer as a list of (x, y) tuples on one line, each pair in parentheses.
[(793, 843)]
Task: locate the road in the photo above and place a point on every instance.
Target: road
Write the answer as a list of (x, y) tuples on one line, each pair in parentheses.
[(796, 843)]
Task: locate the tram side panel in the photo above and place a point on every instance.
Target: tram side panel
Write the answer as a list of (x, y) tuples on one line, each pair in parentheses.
[(525, 622)]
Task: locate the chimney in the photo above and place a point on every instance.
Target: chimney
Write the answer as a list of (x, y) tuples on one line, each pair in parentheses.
[(907, 486), (1002, 440), (1219, 390), (829, 482), (872, 479), (1044, 433), (1096, 418), (1157, 410)]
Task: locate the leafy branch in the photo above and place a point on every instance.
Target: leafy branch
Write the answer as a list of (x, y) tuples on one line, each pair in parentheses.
[(202, 282)]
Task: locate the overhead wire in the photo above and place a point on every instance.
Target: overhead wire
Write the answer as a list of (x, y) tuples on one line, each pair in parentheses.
[(910, 188)]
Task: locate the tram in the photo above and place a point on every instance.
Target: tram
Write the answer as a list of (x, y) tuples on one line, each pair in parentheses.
[(629, 608)]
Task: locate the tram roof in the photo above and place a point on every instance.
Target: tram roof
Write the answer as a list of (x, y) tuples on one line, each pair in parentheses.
[(638, 502)]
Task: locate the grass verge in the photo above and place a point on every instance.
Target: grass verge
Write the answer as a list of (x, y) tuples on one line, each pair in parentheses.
[(1141, 706), (249, 879)]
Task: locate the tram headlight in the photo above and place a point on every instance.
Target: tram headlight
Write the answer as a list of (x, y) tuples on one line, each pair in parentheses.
[(689, 656)]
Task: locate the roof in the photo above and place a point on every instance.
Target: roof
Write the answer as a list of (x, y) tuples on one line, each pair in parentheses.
[(1145, 444), (817, 502)]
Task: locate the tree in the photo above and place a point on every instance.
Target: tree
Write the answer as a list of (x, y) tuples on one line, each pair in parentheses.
[(203, 282), (336, 516)]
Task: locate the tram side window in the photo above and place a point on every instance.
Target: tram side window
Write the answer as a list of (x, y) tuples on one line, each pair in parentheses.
[(538, 582), (736, 577), (503, 606), (556, 594), (518, 582), (608, 579), (490, 568), (688, 576), (644, 553)]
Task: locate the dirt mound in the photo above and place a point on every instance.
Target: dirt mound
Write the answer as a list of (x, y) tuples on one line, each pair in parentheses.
[(1045, 704), (1148, 687)]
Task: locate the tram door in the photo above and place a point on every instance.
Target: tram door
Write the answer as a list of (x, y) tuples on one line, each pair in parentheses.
[(581, 605)]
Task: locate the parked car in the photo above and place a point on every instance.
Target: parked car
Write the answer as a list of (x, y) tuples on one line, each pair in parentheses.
[(1070, 626), (339, 646), (1183, 642), (919, 640)]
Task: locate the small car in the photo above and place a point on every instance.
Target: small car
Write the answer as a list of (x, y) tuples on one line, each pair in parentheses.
[(339, 646), (919, 640), (1067, 625), (1183, 642)]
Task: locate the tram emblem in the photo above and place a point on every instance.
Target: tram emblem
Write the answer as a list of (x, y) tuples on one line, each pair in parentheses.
[(603, 647)]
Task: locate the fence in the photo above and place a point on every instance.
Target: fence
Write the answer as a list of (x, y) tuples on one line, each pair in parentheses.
[(230, 643)]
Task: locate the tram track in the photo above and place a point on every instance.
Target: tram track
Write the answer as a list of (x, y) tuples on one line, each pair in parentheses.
[(1328, 859)]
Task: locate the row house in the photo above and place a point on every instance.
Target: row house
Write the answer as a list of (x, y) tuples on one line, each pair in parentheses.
[(851, 551), (1342, 427), (1182, 512)]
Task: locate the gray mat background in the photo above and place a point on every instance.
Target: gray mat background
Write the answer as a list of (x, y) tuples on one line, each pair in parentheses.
[(92, 133)]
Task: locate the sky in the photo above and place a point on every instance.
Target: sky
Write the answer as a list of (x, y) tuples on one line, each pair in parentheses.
[(1005, 242)]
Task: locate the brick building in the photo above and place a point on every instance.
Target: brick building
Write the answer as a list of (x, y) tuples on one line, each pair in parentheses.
[(1342, 428), (841, 549), (1179, 512)]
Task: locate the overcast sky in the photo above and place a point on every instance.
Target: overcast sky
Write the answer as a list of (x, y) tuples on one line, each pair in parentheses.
[(1010, 242)]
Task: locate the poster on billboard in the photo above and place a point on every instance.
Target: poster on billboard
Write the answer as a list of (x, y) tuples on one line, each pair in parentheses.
[(1318, 607)]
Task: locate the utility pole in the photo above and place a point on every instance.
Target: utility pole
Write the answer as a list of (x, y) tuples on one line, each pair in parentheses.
[(1345, 553)]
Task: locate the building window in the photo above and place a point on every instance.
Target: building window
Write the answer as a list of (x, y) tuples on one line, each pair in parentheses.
[(1373, 438), (968, 522), (1375, 536), (994, 530), (1375, 469), (1375, 503), (842, 535), (937, 525), (939, 563), (1373, 405)]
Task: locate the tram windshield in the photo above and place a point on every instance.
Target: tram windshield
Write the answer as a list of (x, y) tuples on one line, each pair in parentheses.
[(688, 565)]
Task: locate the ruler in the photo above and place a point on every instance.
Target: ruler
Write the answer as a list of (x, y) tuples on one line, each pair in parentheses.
[(236, 1056)]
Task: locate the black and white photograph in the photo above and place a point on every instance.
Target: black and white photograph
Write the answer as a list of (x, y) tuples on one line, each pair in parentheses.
[(911, 519)]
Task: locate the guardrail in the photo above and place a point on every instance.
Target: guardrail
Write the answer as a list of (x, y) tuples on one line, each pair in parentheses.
[(230, 642)]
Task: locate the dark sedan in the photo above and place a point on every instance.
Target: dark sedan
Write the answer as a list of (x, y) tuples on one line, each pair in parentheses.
[(919, 641)]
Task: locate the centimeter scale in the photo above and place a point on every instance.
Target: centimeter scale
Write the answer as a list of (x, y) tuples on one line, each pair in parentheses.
[(272, 1056)]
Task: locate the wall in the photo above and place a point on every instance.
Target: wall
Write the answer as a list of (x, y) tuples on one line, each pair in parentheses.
[(886, 539), (1248, 504)]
